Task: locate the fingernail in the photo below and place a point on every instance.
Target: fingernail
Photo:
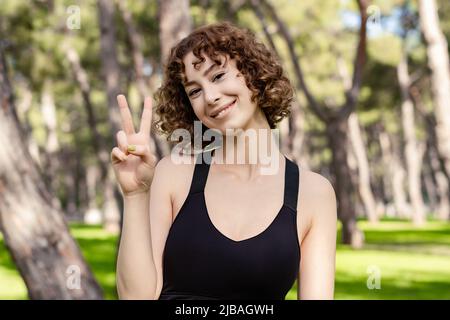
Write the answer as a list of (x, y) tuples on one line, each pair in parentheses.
[(131, 147)]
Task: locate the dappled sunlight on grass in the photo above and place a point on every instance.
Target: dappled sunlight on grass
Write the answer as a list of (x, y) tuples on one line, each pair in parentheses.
[(414, 263), (98, 248), (11, 284), (404, 275)]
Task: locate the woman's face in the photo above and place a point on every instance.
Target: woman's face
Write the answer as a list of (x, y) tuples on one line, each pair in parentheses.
[(218, 94)]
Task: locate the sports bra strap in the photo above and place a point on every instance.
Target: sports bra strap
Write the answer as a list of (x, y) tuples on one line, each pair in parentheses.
[(200, 172), (291, 178)]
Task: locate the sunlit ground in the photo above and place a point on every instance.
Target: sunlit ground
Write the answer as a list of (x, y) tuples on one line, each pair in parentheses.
[(412, 263)]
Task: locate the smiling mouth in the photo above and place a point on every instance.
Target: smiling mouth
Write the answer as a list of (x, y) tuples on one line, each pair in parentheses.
[(224, 111)]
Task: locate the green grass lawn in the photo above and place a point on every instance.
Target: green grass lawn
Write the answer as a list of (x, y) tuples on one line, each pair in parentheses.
[(413, 263)]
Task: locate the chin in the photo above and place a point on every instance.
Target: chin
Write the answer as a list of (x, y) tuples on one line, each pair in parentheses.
[(234, 122), (233, 131)]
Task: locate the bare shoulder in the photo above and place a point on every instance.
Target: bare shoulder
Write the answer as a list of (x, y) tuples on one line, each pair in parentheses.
[(315, 186), (175, 171), (316, 198)]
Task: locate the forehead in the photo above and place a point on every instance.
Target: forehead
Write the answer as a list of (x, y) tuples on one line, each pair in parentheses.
[(194, 67), (194, 64), (190, 59)]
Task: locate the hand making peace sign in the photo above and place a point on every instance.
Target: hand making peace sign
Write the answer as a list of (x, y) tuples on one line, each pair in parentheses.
[(133, 163)]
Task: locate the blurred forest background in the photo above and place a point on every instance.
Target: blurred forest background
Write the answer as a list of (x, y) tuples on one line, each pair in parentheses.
[(372, 114)]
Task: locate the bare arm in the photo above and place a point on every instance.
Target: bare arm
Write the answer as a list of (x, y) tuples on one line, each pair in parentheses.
[(147, 220), (136, 274), (135, 170), (317, 267)]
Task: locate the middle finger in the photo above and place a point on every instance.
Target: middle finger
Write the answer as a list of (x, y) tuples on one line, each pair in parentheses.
[(146, 118)]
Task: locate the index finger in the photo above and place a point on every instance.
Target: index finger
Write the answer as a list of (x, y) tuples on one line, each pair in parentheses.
[(125, 115), (146, 118)]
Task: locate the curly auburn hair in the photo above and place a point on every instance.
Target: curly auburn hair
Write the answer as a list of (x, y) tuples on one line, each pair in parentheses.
[(263, 73)]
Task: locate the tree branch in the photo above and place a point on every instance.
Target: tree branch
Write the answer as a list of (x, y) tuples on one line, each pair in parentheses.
[(360, 60), (255, 4), (317, 109)]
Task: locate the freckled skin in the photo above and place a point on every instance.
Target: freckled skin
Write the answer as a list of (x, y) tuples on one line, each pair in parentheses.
[(139, 270), (317, 222), (221, 86)]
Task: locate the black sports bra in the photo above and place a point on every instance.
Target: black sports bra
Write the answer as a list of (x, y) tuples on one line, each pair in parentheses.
[(200, 263)]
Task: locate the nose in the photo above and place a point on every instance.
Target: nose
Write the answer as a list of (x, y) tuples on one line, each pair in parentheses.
[(211, 95)]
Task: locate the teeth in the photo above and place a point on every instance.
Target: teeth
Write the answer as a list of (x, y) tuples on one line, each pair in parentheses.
[(221, 112)]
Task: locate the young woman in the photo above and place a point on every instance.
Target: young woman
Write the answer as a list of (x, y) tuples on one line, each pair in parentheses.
[(221, 228)]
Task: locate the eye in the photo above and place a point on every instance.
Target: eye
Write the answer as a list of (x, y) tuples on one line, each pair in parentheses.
[(193, 92), (220, 75)]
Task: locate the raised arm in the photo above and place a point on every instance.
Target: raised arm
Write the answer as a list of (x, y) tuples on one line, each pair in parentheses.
[(147, 220), (134, 168)]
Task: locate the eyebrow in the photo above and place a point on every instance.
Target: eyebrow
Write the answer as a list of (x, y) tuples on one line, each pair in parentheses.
[(204, 74)]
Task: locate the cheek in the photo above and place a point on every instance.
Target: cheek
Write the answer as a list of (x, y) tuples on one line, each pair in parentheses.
[(199, 109), (243, 85), (238, 86)]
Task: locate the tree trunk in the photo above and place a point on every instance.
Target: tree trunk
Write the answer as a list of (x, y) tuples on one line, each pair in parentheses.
[(365, 189), (378, 180), (158, 144), (413, 153), (262, 20), (435, 158), (297, 135), (111, 76), (99, 146), (24, 108), (396, 174), (110, 64), (338, 139), (334, 121), (136, 50), (92, 215), (353, 168), (48, 111), (443, 209), (69, 159), (174, 24), (292, 135), (34, 230), (430, 185), (295, 128), (385, 162), (438, 62)]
